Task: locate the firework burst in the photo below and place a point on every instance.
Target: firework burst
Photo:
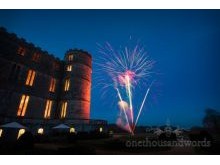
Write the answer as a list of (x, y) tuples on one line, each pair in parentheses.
[(127, 68)]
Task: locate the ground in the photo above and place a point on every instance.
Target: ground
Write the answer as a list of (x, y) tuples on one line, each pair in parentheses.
[(116, 144)]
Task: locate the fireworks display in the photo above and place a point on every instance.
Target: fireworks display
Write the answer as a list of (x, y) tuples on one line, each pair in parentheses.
[(126, 68)]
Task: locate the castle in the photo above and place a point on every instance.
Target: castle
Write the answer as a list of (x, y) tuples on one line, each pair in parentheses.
[(39, 90)]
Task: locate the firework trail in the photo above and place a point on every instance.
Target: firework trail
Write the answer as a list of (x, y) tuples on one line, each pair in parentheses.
[(126, 69), (140, 110), (122, 104)]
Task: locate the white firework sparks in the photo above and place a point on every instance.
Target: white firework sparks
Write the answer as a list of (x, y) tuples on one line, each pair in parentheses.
[(125, 68)]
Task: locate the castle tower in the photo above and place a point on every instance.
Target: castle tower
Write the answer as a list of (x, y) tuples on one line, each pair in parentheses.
[(75, 100)]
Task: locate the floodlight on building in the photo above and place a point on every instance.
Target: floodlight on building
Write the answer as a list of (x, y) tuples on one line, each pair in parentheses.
[(72, 130), (1, 131), (40, 131), (100, 129), (20, 132)]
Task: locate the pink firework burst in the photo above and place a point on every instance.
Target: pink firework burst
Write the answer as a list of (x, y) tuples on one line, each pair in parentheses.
[(123, 78)]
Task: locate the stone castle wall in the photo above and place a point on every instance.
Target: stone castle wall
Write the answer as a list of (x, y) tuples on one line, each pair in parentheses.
[(14, 67)]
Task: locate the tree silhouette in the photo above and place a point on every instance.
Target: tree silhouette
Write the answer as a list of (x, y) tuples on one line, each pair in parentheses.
[(212, 120)]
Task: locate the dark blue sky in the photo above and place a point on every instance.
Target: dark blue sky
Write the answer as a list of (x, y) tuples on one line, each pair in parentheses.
[(184, 43)]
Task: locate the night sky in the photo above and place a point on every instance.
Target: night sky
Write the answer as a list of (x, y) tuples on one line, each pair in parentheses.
[(184, 43)]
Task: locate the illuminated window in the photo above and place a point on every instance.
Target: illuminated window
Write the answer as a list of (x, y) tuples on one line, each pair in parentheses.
[(69, 68), (23, 105), (40, 131), (52, 85), (100, 129), (1, 131), (36, 57), (63, 109), (48, 109), (72, 130), (21, 51), (20, 132), (67, 84), (30, 77), (70, 57)]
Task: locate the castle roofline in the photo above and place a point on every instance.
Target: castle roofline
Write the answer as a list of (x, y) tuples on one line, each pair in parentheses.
[(27, 44), (75, 50)]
